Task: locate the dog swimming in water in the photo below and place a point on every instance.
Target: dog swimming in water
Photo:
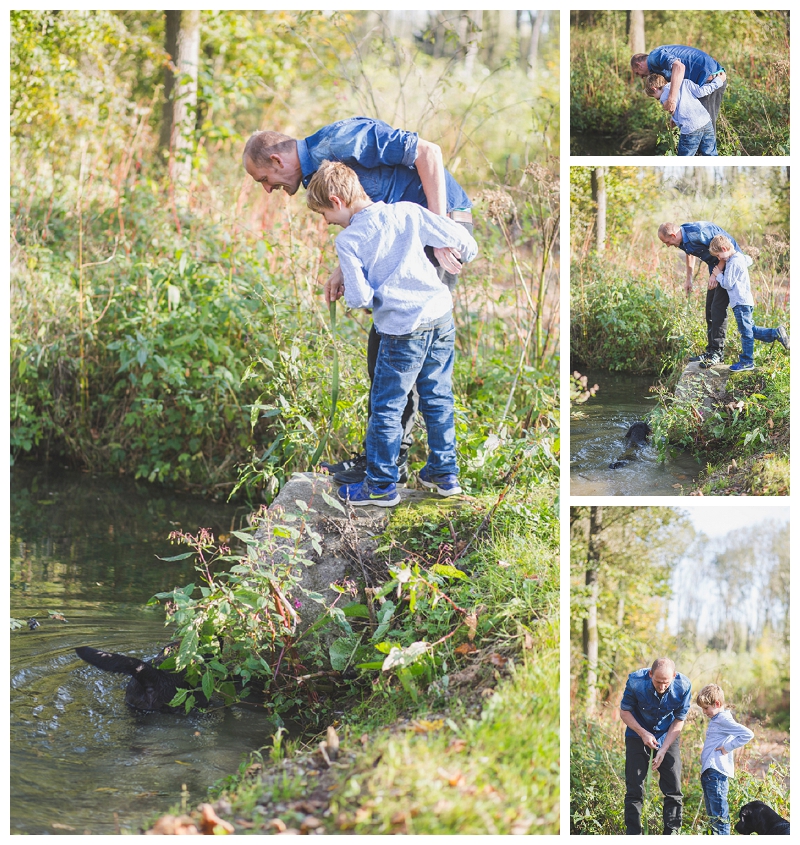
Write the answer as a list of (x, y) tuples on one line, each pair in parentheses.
[(635, 437), (149, 688)]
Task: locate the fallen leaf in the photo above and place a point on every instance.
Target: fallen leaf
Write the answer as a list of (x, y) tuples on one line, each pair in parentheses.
[(363, 814), (59, 826), (456, 746), (309, 823), (471, 621), (276, 824), (424, 726), (504, 563), (497, 660), (211, 824), (527, 642), (454, 779), (173, 826), (465, 648)]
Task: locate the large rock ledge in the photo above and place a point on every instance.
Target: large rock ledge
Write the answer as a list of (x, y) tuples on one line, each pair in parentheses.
[(703, 388), (347, 538)]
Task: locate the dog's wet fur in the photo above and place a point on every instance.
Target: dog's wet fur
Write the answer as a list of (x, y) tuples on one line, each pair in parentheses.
[(635, 437), (149, 688), (758, 817)]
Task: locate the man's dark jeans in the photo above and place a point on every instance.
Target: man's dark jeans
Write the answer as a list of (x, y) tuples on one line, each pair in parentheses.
[(711, 102), (716, 319), (409, 415), (637, 759)]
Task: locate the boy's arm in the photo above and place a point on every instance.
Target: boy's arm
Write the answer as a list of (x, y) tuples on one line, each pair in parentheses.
[(739, 735), (734, 272), (705, 90), (441, 232), (357, 290)]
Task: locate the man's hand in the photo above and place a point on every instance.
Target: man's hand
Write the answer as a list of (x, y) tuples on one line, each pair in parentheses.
[(659, 757), (448, 256), (712, 282), (687, 285), (334, 287), (649, 740)]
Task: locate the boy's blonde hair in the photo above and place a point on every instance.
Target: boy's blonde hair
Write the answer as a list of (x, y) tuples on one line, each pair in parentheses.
[(653, 85), (333, 179), (719, 243), (710, 695)]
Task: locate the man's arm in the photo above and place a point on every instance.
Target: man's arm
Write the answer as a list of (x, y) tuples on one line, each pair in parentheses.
[(630, 720), (689, 272), (672, 732), (677, 71), (431, 174)]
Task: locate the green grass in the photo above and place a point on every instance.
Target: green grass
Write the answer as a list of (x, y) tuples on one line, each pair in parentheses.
[(476, 749)]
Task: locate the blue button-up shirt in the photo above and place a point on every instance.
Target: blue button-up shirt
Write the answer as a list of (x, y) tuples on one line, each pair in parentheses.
[(651, 712), (699, 65), (695, 238), (382, 157)]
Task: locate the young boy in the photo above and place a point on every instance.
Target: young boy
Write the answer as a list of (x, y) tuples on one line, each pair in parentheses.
[(382, 256), (723, 734), (731, 272), (697, 130)]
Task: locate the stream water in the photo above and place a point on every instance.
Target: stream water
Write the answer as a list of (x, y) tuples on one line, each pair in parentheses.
[(598, 438), (81, 761)]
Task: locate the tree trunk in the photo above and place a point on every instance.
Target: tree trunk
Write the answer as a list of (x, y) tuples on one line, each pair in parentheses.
[(180, 96), (533, 44), (636, 35), (590, 633), (599, 197), (473, 22)]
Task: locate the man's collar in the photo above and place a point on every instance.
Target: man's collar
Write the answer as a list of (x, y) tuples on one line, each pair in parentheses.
[(306, 164)]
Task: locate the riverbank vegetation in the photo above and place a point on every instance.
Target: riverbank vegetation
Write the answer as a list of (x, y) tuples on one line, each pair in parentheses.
[(168, 324), (646, 583), (167, 320), (606, 99), (459, 737), (630, 311)]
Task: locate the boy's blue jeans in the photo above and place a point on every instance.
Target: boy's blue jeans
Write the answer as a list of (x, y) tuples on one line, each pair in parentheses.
[(424, 357), (702, 142), (715, 795), (749, 332)]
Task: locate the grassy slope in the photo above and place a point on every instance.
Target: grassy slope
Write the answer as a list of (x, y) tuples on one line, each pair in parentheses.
[(478, 752)]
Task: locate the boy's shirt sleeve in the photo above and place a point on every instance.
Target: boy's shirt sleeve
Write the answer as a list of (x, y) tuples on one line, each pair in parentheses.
[(735, 271), (357, 290), (438, 232), (738, 736), (704, 90)]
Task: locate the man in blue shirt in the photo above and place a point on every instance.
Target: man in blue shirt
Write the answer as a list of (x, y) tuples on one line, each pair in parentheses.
[(693, 239), (654, 708), (675, 63), (393, 165)]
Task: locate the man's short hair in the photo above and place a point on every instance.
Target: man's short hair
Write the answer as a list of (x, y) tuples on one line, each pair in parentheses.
[(710, 695), (662, 663), (261, 145), (638, 59), (719, 243), (333, 179), (653, 84), (667, 229)]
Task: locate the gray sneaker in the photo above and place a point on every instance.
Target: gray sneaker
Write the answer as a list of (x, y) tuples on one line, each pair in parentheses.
[(783, 337), (712, 360)]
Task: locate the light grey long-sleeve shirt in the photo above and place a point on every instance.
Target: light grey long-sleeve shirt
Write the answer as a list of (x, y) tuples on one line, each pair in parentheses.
[(723, 731), (690, 114), (735, 278), (383, 261)]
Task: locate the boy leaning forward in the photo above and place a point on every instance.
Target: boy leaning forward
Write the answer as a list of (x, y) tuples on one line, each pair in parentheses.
[(382, 256)]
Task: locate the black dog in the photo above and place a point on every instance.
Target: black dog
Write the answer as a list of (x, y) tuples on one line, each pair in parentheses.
[(758, 817), (149, 688), (635, 437)]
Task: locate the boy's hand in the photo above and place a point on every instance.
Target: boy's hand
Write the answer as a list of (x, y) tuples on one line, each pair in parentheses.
[(334, 287), (448, 256), (722, 749)]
